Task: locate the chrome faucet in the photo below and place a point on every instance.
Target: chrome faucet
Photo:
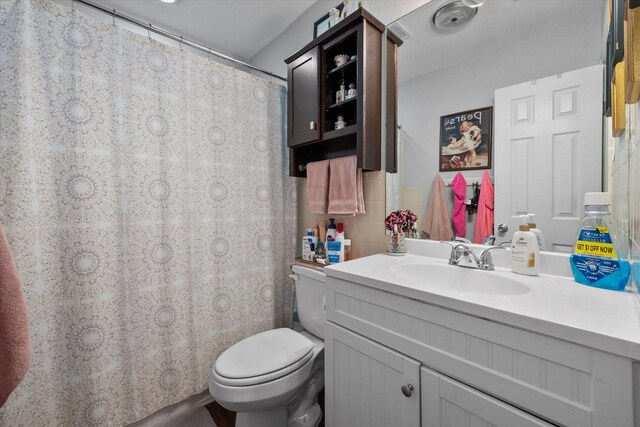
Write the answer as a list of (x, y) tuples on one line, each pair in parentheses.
[(463, 256)]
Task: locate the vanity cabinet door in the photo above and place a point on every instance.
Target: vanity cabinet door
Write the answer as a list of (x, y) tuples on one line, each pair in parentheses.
[(449, 403), (368, 385), (304, 98)]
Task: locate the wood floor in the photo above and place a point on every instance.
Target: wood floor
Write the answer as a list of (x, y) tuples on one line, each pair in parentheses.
[(222, 417)]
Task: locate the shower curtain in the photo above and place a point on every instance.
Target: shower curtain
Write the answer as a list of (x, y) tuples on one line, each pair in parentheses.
[(144, 192)]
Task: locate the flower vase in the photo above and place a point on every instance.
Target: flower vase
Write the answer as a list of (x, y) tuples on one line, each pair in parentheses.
[(395, 244)]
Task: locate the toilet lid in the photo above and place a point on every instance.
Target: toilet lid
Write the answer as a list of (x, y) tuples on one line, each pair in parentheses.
[(262, 354)]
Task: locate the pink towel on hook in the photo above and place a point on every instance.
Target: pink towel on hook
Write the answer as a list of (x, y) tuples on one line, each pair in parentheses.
[(437, 223), (484, 219), (459, 186), (15, 341), (346, 195), (318, 186)]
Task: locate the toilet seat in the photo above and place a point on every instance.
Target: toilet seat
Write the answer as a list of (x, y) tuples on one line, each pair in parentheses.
[(262, 358)]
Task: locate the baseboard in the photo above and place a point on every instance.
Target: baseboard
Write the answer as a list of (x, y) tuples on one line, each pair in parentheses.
[(174, 411)]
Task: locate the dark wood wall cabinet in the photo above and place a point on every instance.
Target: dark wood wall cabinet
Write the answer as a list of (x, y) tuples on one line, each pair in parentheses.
[(314, 107)]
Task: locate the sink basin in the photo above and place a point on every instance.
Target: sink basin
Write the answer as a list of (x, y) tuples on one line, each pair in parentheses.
[(459, 279)]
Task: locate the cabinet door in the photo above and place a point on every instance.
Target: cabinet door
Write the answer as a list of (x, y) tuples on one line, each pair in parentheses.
[(448, 403), (304, 98), (364, 383)]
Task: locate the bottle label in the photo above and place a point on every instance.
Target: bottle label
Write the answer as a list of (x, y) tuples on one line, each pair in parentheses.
[(595, 241), (593, 268), (594, 254)]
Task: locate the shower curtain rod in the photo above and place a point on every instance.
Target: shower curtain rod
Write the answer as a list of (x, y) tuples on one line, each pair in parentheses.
[(180, 39)]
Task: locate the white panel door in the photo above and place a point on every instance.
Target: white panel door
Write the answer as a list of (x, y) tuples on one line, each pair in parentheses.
[(548, 152), (364, 383), (448, 403)]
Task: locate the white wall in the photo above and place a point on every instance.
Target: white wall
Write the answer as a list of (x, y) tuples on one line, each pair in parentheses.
[(472, 84)]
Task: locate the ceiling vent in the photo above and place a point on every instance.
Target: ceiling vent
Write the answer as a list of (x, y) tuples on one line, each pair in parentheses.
[(400, 31), (453, 16)]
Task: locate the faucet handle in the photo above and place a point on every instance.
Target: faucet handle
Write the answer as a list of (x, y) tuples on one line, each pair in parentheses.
[(456, 248), (461, 239), (489, 240), (486, 262)]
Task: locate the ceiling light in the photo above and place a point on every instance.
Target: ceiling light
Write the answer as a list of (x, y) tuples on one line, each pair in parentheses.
[(471, 3), (452, 16), (169, 1)]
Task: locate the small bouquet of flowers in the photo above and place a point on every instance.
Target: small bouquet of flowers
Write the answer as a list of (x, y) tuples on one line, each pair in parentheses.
[(399, 223)]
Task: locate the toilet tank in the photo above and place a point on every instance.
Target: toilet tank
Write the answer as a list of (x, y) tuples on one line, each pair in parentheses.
[(311, 299)]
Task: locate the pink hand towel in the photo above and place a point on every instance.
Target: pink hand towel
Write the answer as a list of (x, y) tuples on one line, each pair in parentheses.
[(346, 195), (318, 185), (437, 222), (459, 186), (484, 220), (15, 341)]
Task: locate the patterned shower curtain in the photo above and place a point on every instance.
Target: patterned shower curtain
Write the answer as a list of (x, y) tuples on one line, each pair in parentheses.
[(144, 192)]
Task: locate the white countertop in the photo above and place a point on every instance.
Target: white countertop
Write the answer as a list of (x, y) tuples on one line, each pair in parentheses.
[(556, 306)]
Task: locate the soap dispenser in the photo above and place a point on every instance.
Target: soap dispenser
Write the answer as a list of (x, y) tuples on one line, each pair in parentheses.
[(535, 230), (331, 230), (525, 252)]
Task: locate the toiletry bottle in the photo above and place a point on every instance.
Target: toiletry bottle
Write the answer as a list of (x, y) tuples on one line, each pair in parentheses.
[(596, 259), (347, 249), (535, 230), (335, 252), (322, 231), (331, 230), (312, 238), (525, 252), (308, 245), (306, 248), (340, 238)]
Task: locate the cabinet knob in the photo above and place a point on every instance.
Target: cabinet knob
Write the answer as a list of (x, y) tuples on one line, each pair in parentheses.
[(312, 125), (407, 390)]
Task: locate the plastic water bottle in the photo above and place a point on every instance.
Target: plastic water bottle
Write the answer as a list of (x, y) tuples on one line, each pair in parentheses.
[(596, 260)]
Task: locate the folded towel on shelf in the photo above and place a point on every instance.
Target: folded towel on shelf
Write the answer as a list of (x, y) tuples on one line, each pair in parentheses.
[(15, 341), (318, 186), (346, 194), (437, 222), (459, 186), (485, 217)]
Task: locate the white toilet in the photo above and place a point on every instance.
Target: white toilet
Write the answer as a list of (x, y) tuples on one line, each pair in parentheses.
[(273, 378)]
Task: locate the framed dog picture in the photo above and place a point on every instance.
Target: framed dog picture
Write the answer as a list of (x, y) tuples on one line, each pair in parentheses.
[(466, 140)]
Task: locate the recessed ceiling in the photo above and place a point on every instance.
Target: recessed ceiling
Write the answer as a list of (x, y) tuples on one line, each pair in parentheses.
[(239, 28), (497, 24)]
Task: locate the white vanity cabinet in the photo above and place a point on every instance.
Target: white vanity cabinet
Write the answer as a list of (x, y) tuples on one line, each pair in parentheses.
[(464, 370), (449, 403), (366, 381)]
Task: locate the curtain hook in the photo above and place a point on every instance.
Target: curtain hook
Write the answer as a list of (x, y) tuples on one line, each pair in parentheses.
[(114, 17), (149, 30), (73, 7), (181, 41)]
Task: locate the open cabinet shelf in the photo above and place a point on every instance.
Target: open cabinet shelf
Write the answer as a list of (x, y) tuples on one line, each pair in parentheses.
[(315, 106), (342, 67)]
